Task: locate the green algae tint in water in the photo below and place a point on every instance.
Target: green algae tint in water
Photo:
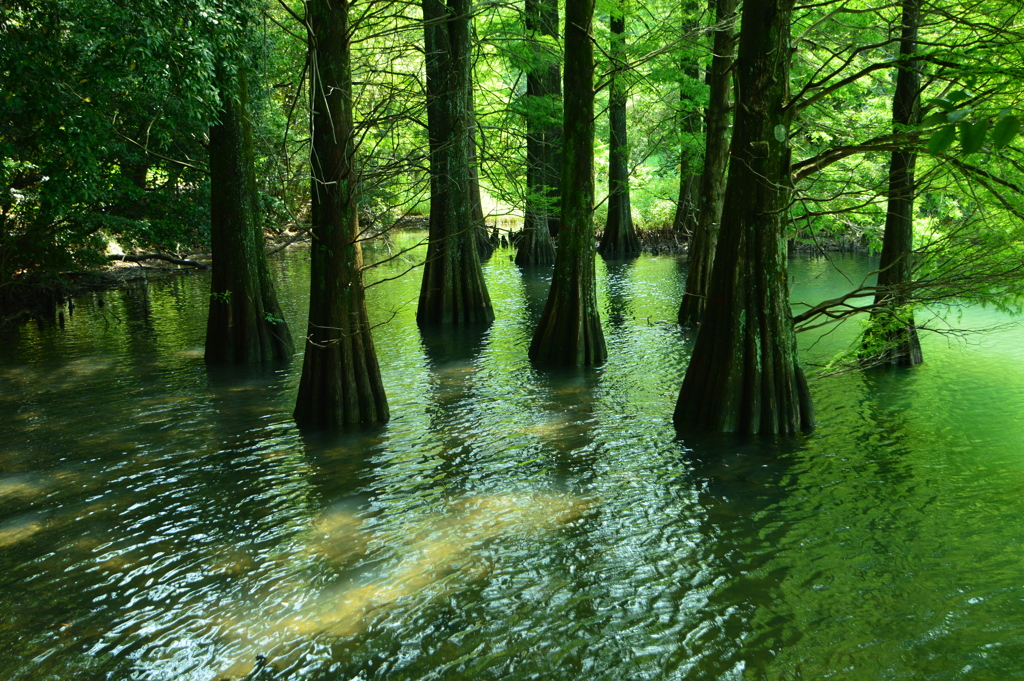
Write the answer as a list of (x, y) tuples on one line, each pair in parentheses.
[(162, 521)]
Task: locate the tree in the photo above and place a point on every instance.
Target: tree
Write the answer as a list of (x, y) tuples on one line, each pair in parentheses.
[(716, 160), (619, 239), (453, 290), (536, 246), (245, 322), (893, 320), (341, 383), (569, 331), (743, 374)]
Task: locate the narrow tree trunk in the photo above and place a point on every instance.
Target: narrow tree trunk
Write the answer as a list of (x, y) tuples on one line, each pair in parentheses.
[(619, 239), (341, 383), (245, 322), (744, 375), (716, 161), (536, 246), (893, 336), (569, 331), (685, 220), (453, 290)]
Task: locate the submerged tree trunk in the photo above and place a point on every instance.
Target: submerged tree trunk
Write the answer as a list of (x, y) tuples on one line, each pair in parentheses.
[(716, 161), (453, 290), (744, 375), (341, 383), (619, 239), (569, 331), (892, 337), (536, 246), (245, 322)]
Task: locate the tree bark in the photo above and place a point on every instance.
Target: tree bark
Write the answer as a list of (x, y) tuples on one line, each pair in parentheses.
[(619, 239), (716, 161), (341, 383), (484, 247), (536, 246), (569, 331), (245, 323), (744, 375), (453, 290), (892, 337)]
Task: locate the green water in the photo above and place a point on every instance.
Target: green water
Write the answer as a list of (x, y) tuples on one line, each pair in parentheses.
[(162, 521)]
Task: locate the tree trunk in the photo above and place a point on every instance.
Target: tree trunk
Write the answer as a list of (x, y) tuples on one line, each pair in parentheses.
[(245, 323), (341, 383), (453, 290), (893, 335), (716, 161), (744, 375), (685, 220), (569, 331), (619, 239), (536, 246)]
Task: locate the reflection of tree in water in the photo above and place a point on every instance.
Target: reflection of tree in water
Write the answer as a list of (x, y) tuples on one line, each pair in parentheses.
[(620, 304), (536, 283)]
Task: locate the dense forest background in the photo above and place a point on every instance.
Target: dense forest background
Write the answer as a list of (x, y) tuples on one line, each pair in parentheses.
[(173, 127)]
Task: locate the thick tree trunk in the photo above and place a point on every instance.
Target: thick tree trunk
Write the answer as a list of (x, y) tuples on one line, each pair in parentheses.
[(893, 336), (341, 383), (245, 323), (569, 331), (619, 239), (536, 246), (453, 290), (716, 161), (744, 375)]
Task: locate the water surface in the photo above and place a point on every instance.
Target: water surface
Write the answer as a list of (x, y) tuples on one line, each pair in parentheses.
[(159, 520)]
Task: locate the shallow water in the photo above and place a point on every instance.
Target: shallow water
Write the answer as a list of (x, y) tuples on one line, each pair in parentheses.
[(159, 520)]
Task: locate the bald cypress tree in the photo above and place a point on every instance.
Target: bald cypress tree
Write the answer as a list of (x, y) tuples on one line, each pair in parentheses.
[(716, 160), (536, 246), (341, 383), (569, 331), (893, 332), (453, 289), (619, 239), (743, 374), (245, 323)]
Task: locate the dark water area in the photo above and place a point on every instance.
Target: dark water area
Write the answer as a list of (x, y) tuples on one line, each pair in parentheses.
[(160, 520)]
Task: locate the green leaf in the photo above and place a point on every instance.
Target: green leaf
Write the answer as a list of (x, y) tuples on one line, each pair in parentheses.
[(941, 140), (957, 95), (944, 104), (959, 114), (1005, 130), (933, 119), (972, 135)]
